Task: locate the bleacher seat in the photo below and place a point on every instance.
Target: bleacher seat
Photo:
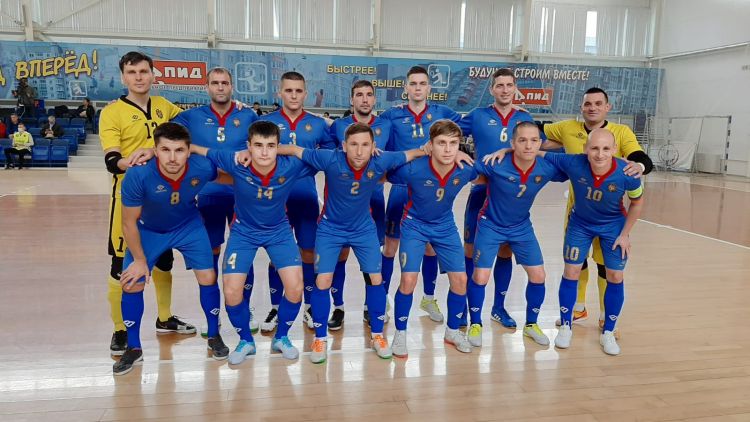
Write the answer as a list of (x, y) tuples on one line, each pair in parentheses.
[(42, 120), (40, 152), (4, 143), (63, 121), (77, 122), (59, 153), (30, 122), (35, 132), (72, 142)]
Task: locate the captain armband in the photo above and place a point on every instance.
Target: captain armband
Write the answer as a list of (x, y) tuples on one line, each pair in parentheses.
[(111, 160), (635, 193)]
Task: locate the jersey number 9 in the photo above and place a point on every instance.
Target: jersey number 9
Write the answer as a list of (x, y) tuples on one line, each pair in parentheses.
[(440, 194)]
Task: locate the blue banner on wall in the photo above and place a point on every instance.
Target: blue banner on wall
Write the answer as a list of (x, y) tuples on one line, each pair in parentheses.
[(73, 71)]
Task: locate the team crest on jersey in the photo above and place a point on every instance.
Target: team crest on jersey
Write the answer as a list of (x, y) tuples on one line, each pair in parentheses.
[(378, 131), (370, 174), (492, 122), (429, 116), (456, 181), (308, 127), (612, 187), (236, 122), (282, 179), (581, 135), (194, 182), (538, 179), (159, 114), (160, 189)]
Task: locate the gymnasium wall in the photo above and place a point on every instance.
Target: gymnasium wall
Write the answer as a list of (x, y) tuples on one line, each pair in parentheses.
[(698, 82)]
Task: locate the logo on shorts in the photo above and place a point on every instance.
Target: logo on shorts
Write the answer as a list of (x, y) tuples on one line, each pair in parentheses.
[(160, 189), (236, 122), (308, 127), (538, 179), (215, 311), (308, 288), (129, 323), (456, 181), (159, 114), (194, 182), (281, 180), (460, 315), (612, 187), (382, 317), (370, 174)]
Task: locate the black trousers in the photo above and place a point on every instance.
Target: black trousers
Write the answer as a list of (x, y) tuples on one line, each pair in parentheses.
[(20, 152)]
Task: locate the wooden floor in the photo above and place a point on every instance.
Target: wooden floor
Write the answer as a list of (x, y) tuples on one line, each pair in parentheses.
[(685, 345)]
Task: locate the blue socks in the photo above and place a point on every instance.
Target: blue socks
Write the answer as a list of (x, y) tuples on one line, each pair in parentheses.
[(211, 304), (401, 309), (429, 274), (275, 288), (456, 306), (132, 312), (308, 279), (248, 289), (337, 287), (567, 296), (534, 299), (387, 272), (321, 307), (287, 314), (502, 273), (239, 316), (469, 267), (375, 299), (475, 294), (614, 297)]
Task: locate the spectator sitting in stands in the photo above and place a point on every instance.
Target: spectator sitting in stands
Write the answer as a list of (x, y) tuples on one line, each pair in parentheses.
[(52, 129), (22, 143), (13, 124), (85, 110)]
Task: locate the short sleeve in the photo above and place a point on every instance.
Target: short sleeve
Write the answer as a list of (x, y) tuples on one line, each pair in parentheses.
[(482, 168), (563, 162), (466, 122), (628, 142), (319, 159), (172, 110), (207, 167), (222, 159), (633, 187), (182, 118), (451, 114), (132, 188), (554, 131), (326, 141), (393, 160), (400, 176), (109, 130), (333, 133)]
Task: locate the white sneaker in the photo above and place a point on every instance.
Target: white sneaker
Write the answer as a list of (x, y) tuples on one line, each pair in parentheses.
[(475, 335), (380, 344), (307, 319), (319, 351), (458, 339), (564, 336), (241, 352), (609, 343), (271, 321), (254, 324), (399, 348), (432, 309), (535, 333)]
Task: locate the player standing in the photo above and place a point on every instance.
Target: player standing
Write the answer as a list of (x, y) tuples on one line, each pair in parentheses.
[(126, 130)]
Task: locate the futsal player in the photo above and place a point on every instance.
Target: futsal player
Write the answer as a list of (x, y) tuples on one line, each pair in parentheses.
[(261, 193), (492, 128), (410, 128), (433, 184), (352, 175), (599, 184), (220, 125), (363, 104), (126, 131), (298, 127), (159, 214), (572, 135)]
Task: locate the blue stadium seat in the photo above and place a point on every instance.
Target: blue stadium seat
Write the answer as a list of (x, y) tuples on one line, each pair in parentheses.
[(63, 121), (30, 122), (35, 132), (42, 120), (4, 143), (59, 153), (40, 152), (72, 142), (77, 122)]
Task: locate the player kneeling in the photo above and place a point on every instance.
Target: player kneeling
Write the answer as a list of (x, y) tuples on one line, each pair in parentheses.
[(433, 184), (159, 214)]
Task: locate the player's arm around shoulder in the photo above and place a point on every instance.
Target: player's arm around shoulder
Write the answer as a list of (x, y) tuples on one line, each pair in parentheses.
[(290, 150)]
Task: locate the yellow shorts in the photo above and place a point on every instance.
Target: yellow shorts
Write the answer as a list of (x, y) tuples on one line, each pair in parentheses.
[(116, 243), (596, 249)]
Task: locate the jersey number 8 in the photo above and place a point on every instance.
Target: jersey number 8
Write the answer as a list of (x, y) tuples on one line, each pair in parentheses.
[(174, 199)]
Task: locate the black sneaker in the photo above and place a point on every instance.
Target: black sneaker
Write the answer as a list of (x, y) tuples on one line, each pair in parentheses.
[(126, 362), (218, 348), (174, 325), (271, 321), (366, 316), (337, 320), (119, 343)]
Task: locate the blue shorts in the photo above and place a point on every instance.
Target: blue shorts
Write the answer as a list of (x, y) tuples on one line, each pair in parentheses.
[(217, 212), (364, 242), (521, 240), (243, 244), (302, 210), (395, 210), (377, 209), (474, 204), (578, 238), (444, 238), (190, 239)]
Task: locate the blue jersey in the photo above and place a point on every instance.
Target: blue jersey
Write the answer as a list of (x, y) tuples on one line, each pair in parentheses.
[(511, 192), (431, 197), (597, 199), (381, 128), (166, 204), (209, 129), (348, 191), (260, 201), (307, 131), (490, 129), (410, 130)]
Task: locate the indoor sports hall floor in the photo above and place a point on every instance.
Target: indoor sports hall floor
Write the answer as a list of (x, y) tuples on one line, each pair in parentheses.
[(685, 340)]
